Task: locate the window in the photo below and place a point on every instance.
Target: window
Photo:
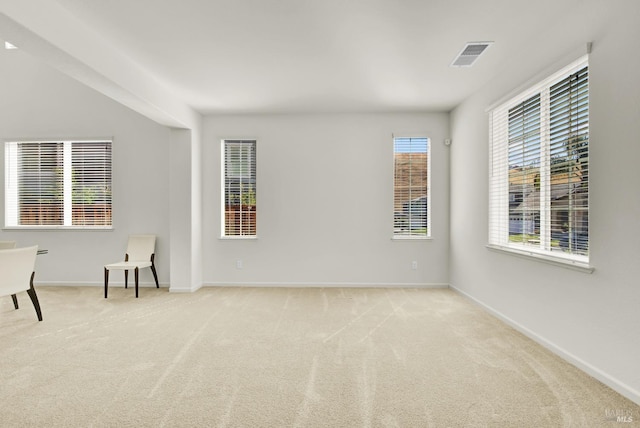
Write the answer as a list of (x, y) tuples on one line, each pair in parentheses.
[(239, 192), (411, 187), (58, 184), (539, 171)]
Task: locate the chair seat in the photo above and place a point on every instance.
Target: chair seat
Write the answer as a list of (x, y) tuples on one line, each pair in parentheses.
[(140, 254), (17, 272), (128, 265)]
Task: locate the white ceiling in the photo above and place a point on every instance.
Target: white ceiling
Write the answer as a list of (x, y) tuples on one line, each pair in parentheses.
[(248, 56)]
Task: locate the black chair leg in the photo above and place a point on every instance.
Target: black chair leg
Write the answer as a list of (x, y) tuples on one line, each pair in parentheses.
[(155, 275), (34, 298), (126, 278), (106, 281), (15, 301), (136, 274)]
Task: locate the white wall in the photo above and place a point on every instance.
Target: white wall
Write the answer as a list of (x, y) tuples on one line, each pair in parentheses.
[(591, 319), (39, 102), (324, 196), (186, 210)]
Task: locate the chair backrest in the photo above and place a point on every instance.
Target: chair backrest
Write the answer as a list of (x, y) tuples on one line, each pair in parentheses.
[(140, 247), (16, 267), (5, 245)]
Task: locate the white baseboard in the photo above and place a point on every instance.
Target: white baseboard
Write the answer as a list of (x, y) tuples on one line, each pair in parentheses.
[(95, 284), (325, 285), (175, 289), (193, 289), (612, 382)]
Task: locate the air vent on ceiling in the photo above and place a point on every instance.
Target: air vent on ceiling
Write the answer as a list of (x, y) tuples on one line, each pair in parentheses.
[(470, 53)]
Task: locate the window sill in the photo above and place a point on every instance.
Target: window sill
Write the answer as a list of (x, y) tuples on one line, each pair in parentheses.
[(532, 255), (58, 228), (411, 238), (239, 238)]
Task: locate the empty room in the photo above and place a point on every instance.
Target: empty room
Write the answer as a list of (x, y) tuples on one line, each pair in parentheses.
[(274, 213)]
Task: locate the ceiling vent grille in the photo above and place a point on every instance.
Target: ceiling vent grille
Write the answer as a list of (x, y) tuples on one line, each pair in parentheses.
[(470, 53)]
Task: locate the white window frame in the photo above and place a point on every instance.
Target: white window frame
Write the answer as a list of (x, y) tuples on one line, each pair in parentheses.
[(250, 175), (499, 178), (11, 183), (398, 234)]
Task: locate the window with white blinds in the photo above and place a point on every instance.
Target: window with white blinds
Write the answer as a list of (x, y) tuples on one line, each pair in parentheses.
[(539, 169), (411, 187), (239, 188), (58, 184)]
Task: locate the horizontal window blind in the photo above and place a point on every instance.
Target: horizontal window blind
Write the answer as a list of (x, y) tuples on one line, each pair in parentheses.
[(40, 184), (524, 168), (539, 160), (411, 187), (569, 162), (91, 183), (58, 184), (239, 166)]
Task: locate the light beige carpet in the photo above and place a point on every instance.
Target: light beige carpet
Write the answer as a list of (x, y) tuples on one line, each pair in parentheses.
[(279, 357)]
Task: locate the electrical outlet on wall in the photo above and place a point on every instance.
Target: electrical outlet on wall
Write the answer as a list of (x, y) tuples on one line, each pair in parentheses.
[(239, 264), (414, 265)]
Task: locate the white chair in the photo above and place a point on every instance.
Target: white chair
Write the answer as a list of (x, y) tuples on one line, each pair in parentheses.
[(140, 254), (5, 245), (17, 267)]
